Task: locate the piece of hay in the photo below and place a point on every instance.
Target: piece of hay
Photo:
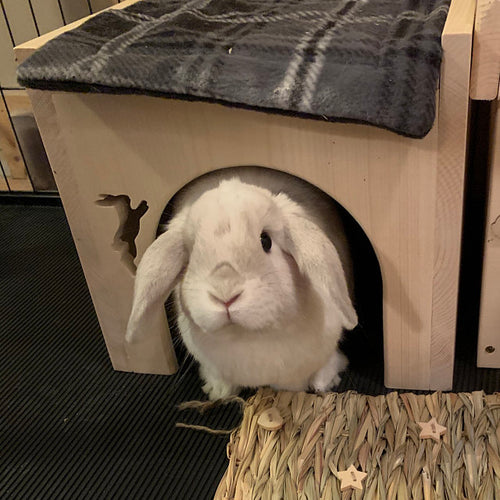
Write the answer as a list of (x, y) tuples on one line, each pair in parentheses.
[(325, 434), (202, 406)]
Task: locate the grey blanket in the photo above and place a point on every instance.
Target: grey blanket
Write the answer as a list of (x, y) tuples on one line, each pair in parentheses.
[(368, 61)]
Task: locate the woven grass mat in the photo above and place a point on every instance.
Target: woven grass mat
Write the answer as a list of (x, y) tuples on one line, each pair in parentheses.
[(325, 434)]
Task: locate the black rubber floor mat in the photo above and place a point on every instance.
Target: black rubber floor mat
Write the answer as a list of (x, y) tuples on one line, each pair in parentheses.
[(70, 426)]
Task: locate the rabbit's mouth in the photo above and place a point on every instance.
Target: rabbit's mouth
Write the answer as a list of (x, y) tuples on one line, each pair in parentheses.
[(212, 315)]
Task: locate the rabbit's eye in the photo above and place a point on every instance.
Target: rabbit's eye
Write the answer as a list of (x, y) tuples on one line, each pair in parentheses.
[(266, 242)]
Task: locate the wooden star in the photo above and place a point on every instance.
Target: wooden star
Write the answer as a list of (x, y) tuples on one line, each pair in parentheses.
[(351, 478), (431, 429)]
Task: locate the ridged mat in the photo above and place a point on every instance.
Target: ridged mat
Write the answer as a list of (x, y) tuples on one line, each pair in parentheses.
[(70, 426)]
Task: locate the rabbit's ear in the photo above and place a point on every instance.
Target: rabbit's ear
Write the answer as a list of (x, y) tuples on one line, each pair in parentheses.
[(318, 259), (157, 274)]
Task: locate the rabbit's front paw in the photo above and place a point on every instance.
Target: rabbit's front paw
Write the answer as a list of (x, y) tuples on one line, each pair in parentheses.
[(329, 376), (216, 388)]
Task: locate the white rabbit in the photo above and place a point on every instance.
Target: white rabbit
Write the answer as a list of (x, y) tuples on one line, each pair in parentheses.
[(261, 274)]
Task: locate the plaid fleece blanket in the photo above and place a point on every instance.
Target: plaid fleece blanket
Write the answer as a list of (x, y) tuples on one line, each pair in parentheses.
[(368, 61)]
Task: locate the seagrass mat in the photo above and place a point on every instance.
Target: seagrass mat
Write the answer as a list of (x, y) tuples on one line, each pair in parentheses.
[(323, 435)]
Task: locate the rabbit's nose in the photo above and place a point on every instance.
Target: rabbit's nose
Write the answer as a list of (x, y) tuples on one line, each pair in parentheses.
[(226, 279), (225, 271)]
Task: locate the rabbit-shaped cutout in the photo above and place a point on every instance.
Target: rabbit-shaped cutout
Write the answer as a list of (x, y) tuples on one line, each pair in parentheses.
[(260, 289)]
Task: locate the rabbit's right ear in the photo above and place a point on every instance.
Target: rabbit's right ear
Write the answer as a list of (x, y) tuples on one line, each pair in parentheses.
[(317, 258), (157, 274)]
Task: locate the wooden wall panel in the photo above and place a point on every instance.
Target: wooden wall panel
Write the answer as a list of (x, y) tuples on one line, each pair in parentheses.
[(452, 152), (488, 352), (3, 182), (20, 19), (48, 15), (98, 5), (10, 154), (74, 10), (486, 54), (7, 61)]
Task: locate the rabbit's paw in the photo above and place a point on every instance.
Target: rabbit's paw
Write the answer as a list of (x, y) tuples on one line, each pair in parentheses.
[(216, 388), (329, 376)]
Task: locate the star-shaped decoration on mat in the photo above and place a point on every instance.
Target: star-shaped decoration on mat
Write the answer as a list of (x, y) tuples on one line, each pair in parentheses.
[(431, 429), (351, 478)]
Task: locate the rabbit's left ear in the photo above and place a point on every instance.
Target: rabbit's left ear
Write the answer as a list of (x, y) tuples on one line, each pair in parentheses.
[(157, 274), (318, 259)]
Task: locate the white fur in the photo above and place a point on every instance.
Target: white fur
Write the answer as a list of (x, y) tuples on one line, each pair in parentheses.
[(293, 302)]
